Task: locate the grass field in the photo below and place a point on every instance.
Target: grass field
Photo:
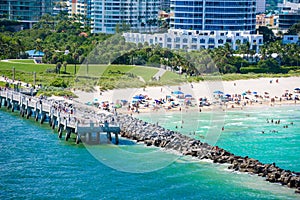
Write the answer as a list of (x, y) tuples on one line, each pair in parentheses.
[(26, 61), (115, 74), (145, 72), (172, 78), (32, 67), (103, 70), (91, 70)]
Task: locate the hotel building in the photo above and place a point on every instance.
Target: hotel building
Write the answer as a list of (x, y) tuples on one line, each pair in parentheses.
[(216, 15)]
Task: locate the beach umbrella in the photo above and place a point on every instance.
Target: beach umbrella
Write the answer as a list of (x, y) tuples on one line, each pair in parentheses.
[(177, 92), (95, 100), (188, 96), (124, 101), (297, 89), (244, 93), (139, 97), (228, 95), (218, 92), (254, 92)]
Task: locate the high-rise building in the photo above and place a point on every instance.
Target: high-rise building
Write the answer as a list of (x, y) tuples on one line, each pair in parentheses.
[(165, 5), (289, 14), (79, 7), (260, 6), (25, 10), (139, 14), (214, 15)]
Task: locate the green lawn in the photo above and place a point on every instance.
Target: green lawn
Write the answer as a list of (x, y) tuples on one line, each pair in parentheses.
[(25, 67), (31, 67), (22, 61), (118, 68), (145, 72), (104, 70), (107, 77), (171, 78), (91, 70)]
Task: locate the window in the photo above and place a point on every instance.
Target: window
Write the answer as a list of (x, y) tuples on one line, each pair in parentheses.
[(202, 41), (185, 40), (220, 41), (211, 41)]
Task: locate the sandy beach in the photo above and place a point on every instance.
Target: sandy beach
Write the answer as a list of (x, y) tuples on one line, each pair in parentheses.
[(265, 88)]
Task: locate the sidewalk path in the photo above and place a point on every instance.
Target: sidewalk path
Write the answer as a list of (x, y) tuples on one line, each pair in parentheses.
[(159, 74)]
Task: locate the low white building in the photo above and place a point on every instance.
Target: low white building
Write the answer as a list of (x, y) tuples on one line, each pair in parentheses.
[(195, 40)]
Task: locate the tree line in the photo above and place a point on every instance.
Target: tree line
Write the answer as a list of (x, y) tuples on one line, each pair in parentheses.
[(65, 41)]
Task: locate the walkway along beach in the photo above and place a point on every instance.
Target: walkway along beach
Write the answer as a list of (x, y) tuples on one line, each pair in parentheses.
[(140, 131)]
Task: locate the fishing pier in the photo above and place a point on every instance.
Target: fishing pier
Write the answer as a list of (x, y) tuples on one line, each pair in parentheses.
[(87, 128)]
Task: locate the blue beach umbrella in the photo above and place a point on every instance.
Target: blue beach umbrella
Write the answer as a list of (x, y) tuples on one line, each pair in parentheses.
[(138, 97), (218, 92), (254, 92), (228, 95), (188, 96), (177, 92)]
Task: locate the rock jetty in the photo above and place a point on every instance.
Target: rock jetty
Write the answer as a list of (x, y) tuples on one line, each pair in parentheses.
[(155, 135)]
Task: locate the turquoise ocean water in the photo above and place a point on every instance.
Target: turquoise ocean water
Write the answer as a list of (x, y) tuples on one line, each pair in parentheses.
[(35, 164)]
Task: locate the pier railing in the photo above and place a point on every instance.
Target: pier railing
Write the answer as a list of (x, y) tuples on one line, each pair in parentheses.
[(57, 113)]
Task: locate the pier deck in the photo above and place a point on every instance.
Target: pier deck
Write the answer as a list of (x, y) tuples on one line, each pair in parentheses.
[(86, 127)]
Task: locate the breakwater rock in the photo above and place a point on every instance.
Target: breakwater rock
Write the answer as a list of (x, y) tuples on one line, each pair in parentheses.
[(154, 135)]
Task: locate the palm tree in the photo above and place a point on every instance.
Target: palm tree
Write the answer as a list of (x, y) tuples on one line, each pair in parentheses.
[(38, 44), (75, 57), (58, 66), (65, 66)]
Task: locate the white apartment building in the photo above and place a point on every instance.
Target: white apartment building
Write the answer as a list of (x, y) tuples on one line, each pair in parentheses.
[(196, 40), (141, 15)]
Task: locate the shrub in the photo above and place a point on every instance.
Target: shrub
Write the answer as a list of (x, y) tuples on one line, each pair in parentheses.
[(252, 69), (59, 83)]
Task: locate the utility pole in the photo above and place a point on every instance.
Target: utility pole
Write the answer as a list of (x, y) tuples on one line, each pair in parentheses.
[(87, 68)]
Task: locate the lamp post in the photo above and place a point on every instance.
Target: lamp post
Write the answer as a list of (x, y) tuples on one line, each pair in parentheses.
[(14, 73), (34, 78)]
